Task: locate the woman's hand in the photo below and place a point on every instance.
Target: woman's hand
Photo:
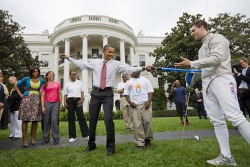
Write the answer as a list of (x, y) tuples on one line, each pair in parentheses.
[(60, 108), (65, 104), (43, 110), (79, 103)]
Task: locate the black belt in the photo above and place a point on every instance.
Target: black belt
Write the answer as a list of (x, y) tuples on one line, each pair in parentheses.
[(100, 89), (74, 98), (122, 95)]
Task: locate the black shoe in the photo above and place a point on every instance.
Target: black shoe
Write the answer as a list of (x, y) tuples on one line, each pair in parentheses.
[(45, 142), (88, 149), (110, 151), (15, 138), (56, 142), (10, 137), (147, 143), (140, 147)]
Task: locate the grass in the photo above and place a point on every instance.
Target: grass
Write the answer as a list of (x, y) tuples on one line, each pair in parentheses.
[(162, 124), (162, 153)]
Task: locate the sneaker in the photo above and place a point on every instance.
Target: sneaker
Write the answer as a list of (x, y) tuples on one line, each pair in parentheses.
[(71, 140), (56, 142), (221, 160), (45, 142)]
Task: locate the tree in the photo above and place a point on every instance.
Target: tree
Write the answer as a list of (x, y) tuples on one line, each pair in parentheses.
[(15, 57), (236, 29), (180, 43)]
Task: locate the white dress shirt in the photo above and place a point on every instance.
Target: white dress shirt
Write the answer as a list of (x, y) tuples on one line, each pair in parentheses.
[(121, 86), (73, 89), (113, 67)]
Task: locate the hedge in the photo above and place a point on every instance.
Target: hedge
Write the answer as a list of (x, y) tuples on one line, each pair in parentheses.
[(118, 114)]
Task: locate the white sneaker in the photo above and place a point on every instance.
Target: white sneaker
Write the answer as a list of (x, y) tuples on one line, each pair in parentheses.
[(71, 140), (221, 160)]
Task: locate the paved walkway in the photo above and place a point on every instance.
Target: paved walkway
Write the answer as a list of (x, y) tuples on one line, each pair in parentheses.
[(175, 135)]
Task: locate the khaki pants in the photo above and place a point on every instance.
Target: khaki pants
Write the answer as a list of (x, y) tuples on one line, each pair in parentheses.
[(142, 124), (125, 112)]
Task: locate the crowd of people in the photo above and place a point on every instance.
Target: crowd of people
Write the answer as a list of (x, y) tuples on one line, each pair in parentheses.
[(33, 99)]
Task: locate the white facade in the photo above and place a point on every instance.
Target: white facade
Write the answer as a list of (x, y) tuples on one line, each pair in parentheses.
[(83, 38)]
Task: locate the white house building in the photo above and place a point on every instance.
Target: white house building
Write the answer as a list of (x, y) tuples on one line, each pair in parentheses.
[(83, 38)]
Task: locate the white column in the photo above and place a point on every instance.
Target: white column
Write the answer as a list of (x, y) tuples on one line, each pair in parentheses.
[(132, 56), (122, 51), (85, 73), (66, 62), (56, 59), (105, 40)]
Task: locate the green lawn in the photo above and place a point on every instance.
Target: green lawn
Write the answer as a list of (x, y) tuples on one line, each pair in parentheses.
[(162, 124), (162, 153)]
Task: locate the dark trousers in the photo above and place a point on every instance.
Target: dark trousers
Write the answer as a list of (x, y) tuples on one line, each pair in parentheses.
[(72, 108), (245, 105), (106, 98), (201, 110), (4, 120)]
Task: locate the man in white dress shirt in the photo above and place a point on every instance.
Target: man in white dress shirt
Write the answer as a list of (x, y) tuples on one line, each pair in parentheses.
[(102, 92)]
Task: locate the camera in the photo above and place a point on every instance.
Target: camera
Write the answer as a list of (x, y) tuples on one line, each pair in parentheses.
[(237, 66)]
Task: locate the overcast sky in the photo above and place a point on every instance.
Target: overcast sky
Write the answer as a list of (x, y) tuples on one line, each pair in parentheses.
[(153, 17)]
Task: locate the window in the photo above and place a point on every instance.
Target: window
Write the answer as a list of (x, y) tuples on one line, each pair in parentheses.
[(95, 53), (142, 60), (127, 60), (61, 82), (45, 60)]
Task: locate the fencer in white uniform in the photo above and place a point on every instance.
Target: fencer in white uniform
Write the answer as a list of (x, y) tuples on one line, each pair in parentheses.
[(219, 88)]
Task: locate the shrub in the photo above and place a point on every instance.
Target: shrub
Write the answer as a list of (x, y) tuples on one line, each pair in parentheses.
[(159, 100), (63, 115)]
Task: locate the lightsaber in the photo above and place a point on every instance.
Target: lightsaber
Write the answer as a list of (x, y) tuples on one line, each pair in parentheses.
[(176, 69)]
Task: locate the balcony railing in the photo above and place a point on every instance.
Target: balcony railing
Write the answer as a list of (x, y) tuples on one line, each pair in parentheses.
[(93, 19)]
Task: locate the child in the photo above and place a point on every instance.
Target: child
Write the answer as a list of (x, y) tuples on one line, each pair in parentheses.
[(139, 92)]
